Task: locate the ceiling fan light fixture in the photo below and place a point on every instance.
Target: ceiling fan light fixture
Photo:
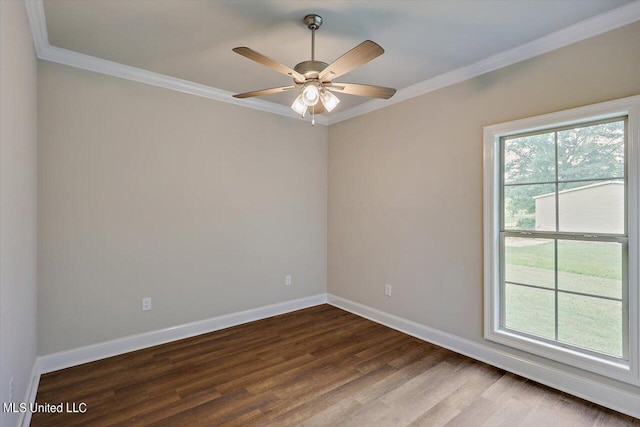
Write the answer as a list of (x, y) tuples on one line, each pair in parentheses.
[(329, 100), (315, 78), (299, 106), (310, 95)]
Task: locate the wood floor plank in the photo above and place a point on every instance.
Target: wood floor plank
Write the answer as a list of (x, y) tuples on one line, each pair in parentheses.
[(437, 416), (398, 378), (301, 411), (169, 410), (320, 366), (245, 379), (518, 410), (333, 414), (478, 379), (475, 414), (608, 418), (368, 415), (422, 393), (440, 374)]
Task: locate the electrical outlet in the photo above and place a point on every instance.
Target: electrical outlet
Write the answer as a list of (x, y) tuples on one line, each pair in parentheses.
[(287, 280), (387, 290), (11, 390), (146, 304)]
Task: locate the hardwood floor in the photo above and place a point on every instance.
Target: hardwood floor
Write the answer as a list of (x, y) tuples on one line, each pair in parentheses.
[(315, 367)]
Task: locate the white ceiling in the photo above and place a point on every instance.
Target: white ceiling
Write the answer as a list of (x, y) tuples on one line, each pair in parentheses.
[(192, 39)]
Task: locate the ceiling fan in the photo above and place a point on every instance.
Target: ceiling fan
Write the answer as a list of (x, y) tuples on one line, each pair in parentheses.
[(315, 78)]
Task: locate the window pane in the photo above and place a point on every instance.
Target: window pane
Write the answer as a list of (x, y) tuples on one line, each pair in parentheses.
[(591, 152), (530, 207), (530, 310), (590, 267), (530, 159), (529, 261), (560, 288), (593, 207), (591, 323)]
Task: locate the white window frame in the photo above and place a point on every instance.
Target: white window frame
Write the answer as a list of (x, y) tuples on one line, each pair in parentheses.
[(622, 370)]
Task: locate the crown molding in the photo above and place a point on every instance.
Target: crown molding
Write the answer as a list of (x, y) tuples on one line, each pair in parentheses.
[(91, 63), (38, 24), (46, 52), (582, 30), (594, 26)]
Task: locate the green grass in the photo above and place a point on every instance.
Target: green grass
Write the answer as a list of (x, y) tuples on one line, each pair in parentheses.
[(587, 267), (566, 281), (595, 259), (586, 322)]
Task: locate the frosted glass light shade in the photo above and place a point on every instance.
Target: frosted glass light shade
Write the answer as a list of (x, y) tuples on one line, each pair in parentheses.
[(310, 95), (329, 100), (299, 106)]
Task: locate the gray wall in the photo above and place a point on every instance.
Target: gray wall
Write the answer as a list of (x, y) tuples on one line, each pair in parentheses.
[(405, 182), (206, 206), (18, 82), (201, 205)]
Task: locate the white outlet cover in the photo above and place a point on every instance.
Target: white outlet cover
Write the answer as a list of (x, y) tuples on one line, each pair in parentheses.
[(387, 290), (287, 280), (146, 304)]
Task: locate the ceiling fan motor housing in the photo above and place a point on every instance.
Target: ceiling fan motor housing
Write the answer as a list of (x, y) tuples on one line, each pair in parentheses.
[(313, 21), (310, 69)]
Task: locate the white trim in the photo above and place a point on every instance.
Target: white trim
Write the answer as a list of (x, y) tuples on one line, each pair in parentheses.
[(30, 395), (610, 397), (599, 24), (607, 396), (591, 27), (90, 353), (91, 63), (628, 372), (600, 111), (46, 52), (38, 24)]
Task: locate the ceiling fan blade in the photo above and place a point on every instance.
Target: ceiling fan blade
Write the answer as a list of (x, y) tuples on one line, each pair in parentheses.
[(362, 90), (261, 59), (359, 55), (264, 92)]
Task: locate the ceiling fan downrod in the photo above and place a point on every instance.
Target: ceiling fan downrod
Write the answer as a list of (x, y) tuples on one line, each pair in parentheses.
[(313, 22)]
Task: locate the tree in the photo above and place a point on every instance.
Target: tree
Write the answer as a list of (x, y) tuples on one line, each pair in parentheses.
[(583, 153)]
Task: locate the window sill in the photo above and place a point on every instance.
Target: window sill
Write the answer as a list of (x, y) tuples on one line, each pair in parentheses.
[(619, 369)]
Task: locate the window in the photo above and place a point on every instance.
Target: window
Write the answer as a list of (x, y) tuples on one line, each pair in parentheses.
[(561, 236)]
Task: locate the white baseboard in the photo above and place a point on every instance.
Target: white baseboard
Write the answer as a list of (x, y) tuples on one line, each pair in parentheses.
[(610, 397), (607, 396), (30, 396), (90, 353)]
